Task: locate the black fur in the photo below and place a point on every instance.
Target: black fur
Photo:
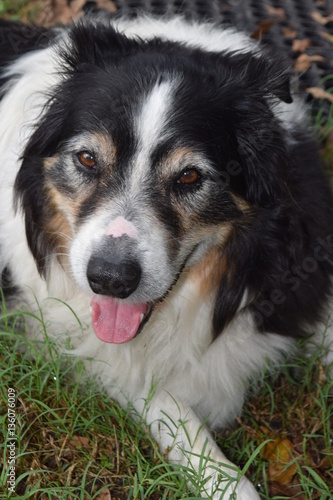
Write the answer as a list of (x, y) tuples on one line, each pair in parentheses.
[(7, 284), (224, 108), (17, 39)]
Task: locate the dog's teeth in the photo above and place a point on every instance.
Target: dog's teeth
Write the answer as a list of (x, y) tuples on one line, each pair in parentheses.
[(141, 317), (90, 310)]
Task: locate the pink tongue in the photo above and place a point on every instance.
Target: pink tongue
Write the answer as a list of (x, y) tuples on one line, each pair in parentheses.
[(114, 321)]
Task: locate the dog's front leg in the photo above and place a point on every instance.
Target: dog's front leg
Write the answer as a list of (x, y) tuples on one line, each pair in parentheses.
[(187, 442)]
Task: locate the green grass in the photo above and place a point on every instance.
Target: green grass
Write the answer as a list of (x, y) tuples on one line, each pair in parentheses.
[(73, 442), (18, 9)]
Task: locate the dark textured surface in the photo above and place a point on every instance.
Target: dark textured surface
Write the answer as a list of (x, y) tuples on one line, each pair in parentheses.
[(277, 23)]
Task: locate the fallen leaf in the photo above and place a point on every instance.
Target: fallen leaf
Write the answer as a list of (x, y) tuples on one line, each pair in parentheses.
[(289, 491), (289, 32), (301, 45), (104, 495), (63, 12), (303, 62), (76, 5), (321, 19), (106, 4), (79, 442), (320, 93), (279, 455), (262, 28), (328, 36), (325, 462), (277, 12), (58, 12)]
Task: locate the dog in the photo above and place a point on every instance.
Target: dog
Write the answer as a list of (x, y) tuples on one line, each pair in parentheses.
[(160, 179)]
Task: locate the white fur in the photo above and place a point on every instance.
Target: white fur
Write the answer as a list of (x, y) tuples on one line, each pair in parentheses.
[(32, 76), (194, 34), (151, 123), (151, 247), (194, 378)]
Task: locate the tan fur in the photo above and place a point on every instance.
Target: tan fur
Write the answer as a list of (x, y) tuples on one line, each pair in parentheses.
[(178, 159), (208, 272), (59, 222)]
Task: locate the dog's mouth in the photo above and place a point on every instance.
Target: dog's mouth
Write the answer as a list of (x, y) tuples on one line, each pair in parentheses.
[(117, 322)]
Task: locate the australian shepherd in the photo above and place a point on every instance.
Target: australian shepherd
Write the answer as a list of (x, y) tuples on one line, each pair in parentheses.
[(159, 178)]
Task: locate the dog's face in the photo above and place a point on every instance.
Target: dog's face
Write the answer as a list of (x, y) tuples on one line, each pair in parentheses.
[(145, 165)]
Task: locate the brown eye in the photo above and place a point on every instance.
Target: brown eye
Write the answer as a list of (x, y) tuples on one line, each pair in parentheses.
[(87, 159), (189, 176)]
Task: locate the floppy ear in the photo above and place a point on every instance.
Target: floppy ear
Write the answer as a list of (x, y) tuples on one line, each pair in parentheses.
[(268, 74), (29, 195), (29, 183), (253, 86), (259, 136), (263, 155), (249, 88)]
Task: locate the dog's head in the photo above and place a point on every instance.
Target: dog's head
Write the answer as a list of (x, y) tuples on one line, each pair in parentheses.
[(152, 158)]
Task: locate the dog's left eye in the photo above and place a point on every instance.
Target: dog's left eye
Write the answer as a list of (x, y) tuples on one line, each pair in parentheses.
[(87, 159), (188, 177)]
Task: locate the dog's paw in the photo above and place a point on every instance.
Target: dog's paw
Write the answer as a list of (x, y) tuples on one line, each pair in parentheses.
[(243, 491)]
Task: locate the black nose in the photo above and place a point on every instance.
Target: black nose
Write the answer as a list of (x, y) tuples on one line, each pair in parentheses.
[(115, 278)]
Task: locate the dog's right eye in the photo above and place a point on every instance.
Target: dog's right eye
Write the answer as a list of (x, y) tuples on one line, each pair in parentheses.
[(87, 159), (189, 180), (189, 176)]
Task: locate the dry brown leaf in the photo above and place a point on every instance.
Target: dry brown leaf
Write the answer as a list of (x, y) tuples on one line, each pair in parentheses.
[(58, 12), (69, 473), (325, 462), (106, 4), (61, 12), (262, 28), (319, 93), (304, 61), (276, 12), (76, 5), (301, 45), (326, 35), (321, 19), (289, 491), (104, 495), (79, 442), (289, 32), (279, 455)]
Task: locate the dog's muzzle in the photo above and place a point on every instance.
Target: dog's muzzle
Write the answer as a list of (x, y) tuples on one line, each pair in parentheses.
[(114, 273)]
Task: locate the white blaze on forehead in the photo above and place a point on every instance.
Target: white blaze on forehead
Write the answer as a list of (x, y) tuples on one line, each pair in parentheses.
[(121, 226), (152, 120)]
